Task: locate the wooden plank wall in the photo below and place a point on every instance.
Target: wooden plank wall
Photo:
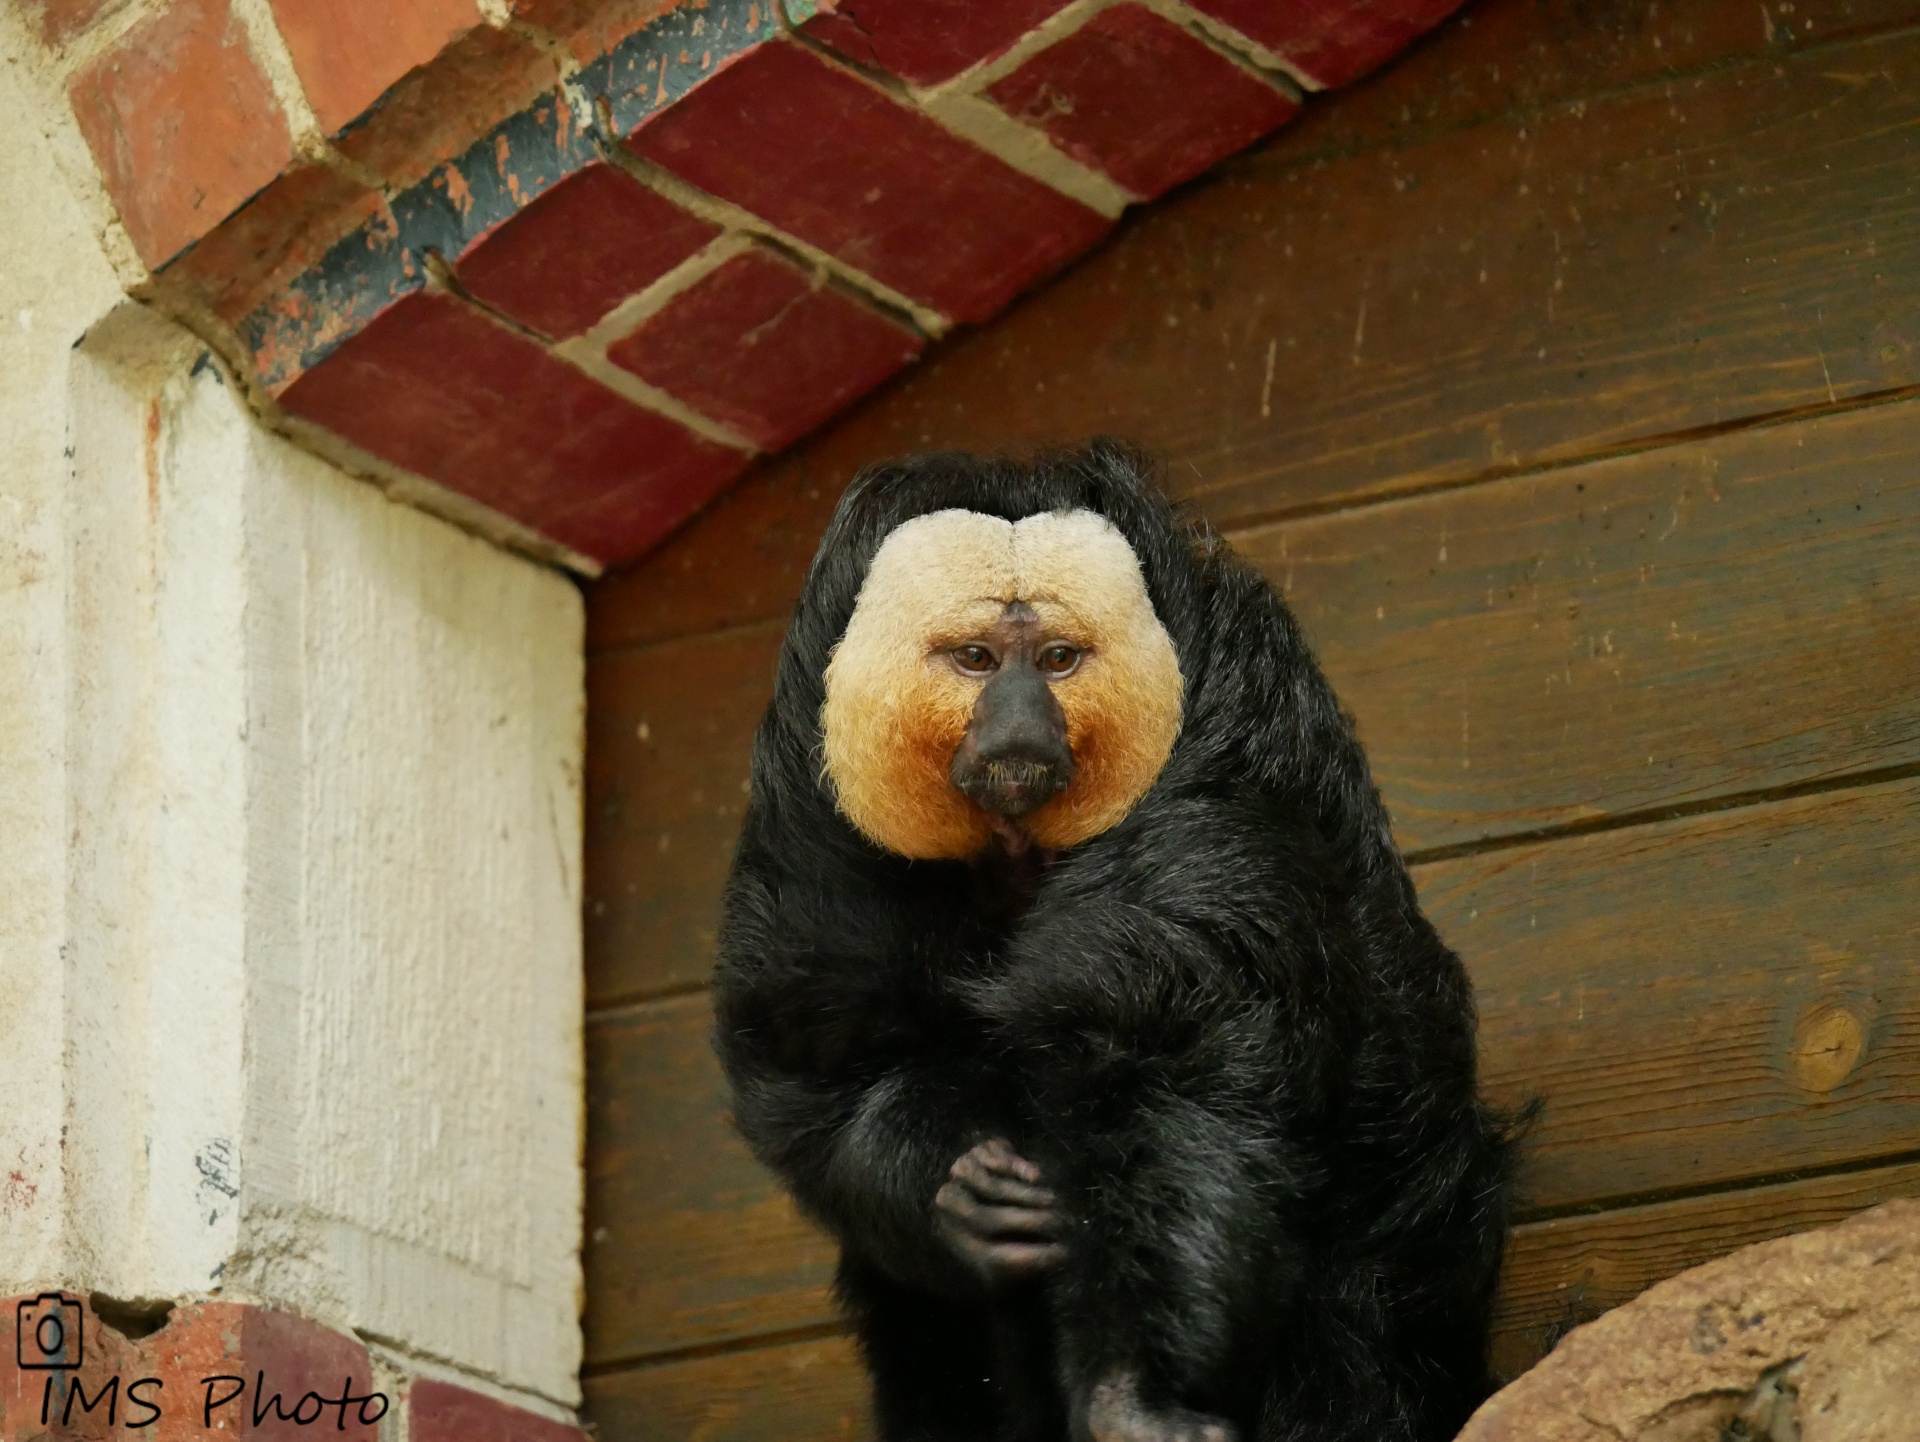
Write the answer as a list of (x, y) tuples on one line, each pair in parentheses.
[(1566, 376)]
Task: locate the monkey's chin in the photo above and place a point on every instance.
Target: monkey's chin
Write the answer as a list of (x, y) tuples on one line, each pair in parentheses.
[(1009, 835)]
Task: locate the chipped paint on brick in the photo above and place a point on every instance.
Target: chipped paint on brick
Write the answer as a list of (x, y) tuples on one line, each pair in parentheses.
[(661, 62), (513, 164), (358, 278), (448, 213), (466, 198)]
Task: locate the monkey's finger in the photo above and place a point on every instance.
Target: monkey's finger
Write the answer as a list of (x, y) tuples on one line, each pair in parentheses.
[(1014, 1222), (997, 1155), (1010, 1193), (1023, 1259), (980, 1164), (997, 1187), (1001, 1261), (983, 1220)]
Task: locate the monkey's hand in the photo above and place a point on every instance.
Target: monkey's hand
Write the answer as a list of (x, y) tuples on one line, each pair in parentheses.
[(996, 1217), (1115, 1413)]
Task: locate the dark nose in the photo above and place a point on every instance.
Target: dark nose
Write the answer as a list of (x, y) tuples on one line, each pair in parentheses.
[(1014, 757)]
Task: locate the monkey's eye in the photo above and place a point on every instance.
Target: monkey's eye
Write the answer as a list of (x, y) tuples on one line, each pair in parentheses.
[(973, 658), (1059, 659)]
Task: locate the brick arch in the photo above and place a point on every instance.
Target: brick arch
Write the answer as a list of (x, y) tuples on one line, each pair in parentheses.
[(579, 263)]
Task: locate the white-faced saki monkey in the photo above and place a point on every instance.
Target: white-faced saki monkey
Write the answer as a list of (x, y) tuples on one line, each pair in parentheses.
[(1070, 977)]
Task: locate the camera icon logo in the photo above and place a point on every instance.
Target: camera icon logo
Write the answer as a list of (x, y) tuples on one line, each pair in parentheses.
[(47, 1333)]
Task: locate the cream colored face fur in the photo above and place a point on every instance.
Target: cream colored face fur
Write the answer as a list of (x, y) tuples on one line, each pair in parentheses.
[(896, 708)]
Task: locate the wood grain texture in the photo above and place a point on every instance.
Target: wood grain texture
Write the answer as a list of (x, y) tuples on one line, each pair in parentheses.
[(689, 1240), (1517, 57), (1671, 991), (813, 1391), (1558, 1274), (664, 807), (1671, 257), (1682, 225), (1668, 991), (742, 559), (1727, 616), (1530, 282), (1568, 1271)]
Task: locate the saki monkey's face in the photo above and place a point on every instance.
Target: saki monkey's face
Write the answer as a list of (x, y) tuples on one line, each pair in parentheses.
[(999, 673)]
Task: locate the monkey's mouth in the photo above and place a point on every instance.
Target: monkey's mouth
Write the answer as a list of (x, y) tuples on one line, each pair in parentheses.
[(1013, 787)]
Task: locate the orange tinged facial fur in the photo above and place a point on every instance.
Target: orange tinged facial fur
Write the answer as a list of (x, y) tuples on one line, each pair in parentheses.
[(896, 709)]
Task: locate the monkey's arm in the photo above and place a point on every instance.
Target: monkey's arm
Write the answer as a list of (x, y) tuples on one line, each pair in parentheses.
[(863, 1083), (891, 1165)]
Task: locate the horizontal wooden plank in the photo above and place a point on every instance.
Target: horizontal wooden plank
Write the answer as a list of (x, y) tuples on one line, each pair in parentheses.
[(1558, 1274), (1729, 616), (740, 560), (689, 1240), (1568, 1271), (1518, 57), (1310, 324), (813, 1391), (669, 741), (1731, 996), (1642, 264), (1732, 615)]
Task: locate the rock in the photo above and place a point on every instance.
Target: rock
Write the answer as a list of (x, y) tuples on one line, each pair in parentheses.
[(1811, 1338)]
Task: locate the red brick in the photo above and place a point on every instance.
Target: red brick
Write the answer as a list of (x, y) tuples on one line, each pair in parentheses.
[(591, 28), (279, 1354), (1142, 99), (58, 21), (274, 1353), (830, 159), (104, 1355), (763, 347), (1331, 41), (580, 249), (441, 1412), (182, 124), (347, 52), (434, 113), (280, 232), (433, 386), (925, 41)]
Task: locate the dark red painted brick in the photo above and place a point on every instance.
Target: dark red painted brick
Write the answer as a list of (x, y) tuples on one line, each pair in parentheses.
[(1141, 98), (579, 250), (182, 124), (760, 346), (348, 51), (432, 385), (441, 1412), (1331, 41), (830, 159), (925, 41), (280, 1354)]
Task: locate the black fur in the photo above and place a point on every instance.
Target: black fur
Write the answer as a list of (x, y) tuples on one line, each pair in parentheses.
[(1222, 1029)]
